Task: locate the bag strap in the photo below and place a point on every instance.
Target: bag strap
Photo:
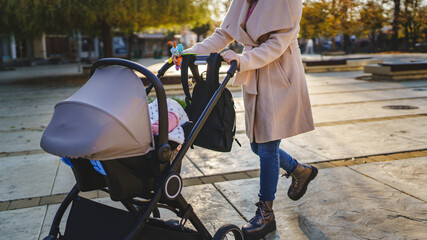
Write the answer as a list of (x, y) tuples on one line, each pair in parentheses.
[(212, 76), (188, 62)]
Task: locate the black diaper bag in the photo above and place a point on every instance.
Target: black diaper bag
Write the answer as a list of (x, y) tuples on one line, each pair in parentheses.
[(220, 128)]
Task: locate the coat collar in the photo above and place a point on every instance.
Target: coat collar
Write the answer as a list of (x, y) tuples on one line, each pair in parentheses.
[(268, 16), (234, 22)]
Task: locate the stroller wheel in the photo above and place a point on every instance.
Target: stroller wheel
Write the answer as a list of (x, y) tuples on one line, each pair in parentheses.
[(228, 232)]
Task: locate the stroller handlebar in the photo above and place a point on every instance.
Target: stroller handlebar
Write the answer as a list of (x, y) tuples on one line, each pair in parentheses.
[(198, 60)]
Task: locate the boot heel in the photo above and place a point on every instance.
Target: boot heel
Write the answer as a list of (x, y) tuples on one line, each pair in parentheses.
[(271, 227), (313, 173), (257, 235)]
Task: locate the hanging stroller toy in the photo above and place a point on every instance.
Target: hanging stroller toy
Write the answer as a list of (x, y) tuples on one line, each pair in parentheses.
[(104, 133)]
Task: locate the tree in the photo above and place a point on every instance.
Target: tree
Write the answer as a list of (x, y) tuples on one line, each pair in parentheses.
[(372, 18), (314, 21), (27, 19), (345, 17), (201, 29), (411, 22), (395, 25)]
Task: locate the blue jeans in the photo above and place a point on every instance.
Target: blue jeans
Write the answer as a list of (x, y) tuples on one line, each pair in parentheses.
[(272, 158)]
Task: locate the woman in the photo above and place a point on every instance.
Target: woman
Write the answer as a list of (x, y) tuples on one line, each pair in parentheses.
[(275, 95)]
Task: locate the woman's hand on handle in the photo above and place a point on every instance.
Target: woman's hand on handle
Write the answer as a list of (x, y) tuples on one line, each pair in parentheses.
[(229, 56)]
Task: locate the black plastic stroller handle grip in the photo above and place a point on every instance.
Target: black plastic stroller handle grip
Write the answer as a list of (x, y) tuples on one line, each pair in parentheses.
[(233, 68), (164, 68), (160, 74), (155, 81)]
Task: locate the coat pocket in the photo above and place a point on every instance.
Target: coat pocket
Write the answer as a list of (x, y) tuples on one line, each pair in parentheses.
[(281, 73)]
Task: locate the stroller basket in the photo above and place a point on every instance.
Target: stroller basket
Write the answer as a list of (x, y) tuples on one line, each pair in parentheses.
[(108, 120), (99, 221)]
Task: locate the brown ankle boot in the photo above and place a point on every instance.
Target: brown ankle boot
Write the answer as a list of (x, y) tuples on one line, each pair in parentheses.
[(262, 223), (301, 177)]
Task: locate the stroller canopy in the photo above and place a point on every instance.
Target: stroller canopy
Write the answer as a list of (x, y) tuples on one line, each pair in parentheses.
[(106, 119)]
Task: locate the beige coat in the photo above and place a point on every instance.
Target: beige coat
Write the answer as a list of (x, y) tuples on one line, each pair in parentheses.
[(275, 93)]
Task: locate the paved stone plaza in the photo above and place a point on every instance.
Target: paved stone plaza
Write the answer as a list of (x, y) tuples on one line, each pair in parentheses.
[(372, 160)]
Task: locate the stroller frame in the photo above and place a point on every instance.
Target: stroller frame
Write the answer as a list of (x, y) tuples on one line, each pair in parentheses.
[(168, 190)]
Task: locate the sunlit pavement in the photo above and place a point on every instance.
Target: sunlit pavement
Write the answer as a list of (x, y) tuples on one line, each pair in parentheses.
[(371, 152)]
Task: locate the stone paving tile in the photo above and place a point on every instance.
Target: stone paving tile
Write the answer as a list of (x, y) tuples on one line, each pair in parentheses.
[(236, 176), (406, 175), (380, 158), (242, 158), (26, 110), (253, 173), (54, 199), (302, 154), (398, 156), (211, 162), (418, 154), (27, 176), (350, 140), (17, 123), (23, 93), (192, 181), (240, 126), (360, 86), (24, 203), (33, 98), (414, 129), (64, 180), (336, 98), (322, 165), (212, 179), (22, 224), (4, 205), (339, 204), (367, 110), (89, 195), (211, 207), (20, 141), (48, 219), (349, 162), (238, 103), (188, 169), (314, 82)]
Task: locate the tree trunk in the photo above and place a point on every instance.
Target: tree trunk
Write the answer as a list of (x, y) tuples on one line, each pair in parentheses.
[(347, 43), (1, 56), (406, 25), (372, 38), (406, 38), (130, 45), (107, 39), (395, 24)]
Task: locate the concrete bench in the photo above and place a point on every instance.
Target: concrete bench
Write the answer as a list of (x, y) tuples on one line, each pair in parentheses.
[(397, 71), (334, 53), (338, 65)]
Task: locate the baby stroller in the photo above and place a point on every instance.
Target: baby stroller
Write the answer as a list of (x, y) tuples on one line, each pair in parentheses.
[(103, 132)]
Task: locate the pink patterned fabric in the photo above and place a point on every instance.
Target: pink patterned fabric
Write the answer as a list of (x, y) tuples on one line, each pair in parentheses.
[(251, 9), (173, 122)]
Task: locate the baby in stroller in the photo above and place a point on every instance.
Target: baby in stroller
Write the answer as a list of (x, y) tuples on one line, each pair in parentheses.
[(108, 121)]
